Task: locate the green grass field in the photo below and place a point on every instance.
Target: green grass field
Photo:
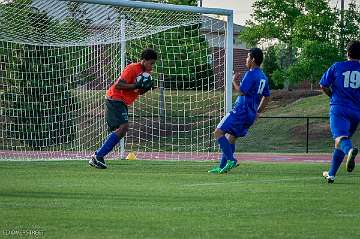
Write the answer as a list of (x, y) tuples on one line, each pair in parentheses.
[(163, 199)]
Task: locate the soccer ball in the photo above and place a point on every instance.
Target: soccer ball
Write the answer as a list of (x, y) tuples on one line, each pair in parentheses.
[(144, 80)]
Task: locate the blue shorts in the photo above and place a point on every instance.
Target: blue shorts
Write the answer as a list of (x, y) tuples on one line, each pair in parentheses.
[(343, 121), (237, 123)]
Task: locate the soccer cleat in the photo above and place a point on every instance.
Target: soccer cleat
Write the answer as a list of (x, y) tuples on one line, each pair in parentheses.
[(329, 179), (101, 163), (215, 170), (350, 161), (92, 162), (229, 165), (97, 162)]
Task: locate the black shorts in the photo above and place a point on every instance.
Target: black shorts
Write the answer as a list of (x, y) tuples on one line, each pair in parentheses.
[(116, 114)]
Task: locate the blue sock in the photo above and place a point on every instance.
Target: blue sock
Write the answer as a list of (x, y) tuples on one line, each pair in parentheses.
[(226, 148), (336, 161), (232, 148), (233, 151), (223, 161), (223, 158), (345, 145), (108, 145)]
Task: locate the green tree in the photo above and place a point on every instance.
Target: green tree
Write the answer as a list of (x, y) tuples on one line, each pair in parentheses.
[(315, 37), (305, 27), (315, 58), (273, 20), (317, 23), (279, 76), (270, 65), (351, 27)]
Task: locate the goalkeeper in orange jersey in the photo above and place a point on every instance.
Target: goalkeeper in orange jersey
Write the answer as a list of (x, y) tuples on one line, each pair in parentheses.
[(135, 80)]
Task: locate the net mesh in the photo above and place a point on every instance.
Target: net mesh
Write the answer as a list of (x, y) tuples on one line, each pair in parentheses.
[(58, 58)]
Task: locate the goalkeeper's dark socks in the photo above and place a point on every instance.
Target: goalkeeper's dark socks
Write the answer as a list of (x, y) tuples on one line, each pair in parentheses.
[(108, 145), (337, 158)]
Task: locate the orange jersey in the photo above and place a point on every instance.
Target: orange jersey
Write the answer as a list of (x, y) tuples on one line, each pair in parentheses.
[(129, 75)]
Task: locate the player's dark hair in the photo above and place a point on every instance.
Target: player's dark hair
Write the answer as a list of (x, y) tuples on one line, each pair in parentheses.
[(353, 49), (149, 54), (257, 54)]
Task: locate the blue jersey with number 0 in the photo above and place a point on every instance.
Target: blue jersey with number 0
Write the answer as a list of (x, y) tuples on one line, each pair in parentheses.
[(344, 80), (254, 86)]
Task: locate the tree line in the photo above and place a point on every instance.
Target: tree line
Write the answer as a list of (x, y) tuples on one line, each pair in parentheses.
[(302, 38)]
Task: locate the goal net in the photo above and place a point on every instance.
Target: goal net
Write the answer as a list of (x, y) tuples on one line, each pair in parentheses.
[(57, 59)]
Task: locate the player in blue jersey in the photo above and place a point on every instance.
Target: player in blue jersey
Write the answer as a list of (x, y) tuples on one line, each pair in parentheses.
[(253, 97), (341, 82)]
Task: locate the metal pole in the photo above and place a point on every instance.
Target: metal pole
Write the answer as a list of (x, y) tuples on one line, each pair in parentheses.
[(122, 66), (158, 6), (307, 135), (342, 46), (162, 97), (122, 42), (229, 62)]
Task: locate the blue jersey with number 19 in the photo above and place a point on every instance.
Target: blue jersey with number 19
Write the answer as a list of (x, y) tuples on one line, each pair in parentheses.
[(344, 80), (254, 86)]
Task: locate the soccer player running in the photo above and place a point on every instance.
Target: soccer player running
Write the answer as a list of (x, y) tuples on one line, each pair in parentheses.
[(122, 93), (341, 82), (254, 95)]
